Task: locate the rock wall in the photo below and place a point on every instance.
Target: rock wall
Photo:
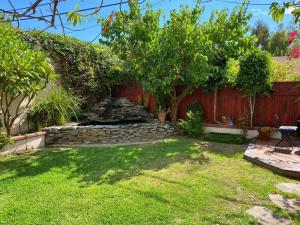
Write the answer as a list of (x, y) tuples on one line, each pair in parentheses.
[(84, 135)]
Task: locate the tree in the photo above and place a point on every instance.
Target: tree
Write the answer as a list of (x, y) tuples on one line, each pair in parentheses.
[(278, 44), (233, 27), (163, 57), (23, 72), (254, 76), (262, 33)]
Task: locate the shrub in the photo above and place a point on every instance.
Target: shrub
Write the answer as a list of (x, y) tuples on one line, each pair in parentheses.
[(193, 124), (4, 138), (55, 108)]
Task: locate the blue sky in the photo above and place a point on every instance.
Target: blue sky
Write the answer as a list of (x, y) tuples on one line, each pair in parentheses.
[(260, 12)]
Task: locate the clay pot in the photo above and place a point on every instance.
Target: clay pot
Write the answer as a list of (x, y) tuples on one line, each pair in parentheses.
[(224, 120), (264, 135), (162, 116)]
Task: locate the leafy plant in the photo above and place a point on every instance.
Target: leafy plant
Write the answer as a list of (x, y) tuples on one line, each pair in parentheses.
[(254, 76), (55, 108), (4, 138), (193, 124), (23, 73)]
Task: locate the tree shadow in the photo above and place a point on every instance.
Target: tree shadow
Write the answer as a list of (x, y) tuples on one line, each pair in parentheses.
[(102, 165), (227, 150)]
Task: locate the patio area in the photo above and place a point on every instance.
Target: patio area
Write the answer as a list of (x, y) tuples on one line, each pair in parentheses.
[(283, 160)]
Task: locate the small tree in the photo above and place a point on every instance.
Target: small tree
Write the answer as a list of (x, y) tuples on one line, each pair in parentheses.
[(230, 42), (254, 76), (23, 72)]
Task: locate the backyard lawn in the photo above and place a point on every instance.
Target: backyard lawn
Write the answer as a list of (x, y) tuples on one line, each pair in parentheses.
[(179, 181)]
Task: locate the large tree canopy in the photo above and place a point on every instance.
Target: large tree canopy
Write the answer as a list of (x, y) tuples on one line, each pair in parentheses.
[(163, 57)]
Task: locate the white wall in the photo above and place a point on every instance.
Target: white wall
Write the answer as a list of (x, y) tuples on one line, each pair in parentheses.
[(21, 125)]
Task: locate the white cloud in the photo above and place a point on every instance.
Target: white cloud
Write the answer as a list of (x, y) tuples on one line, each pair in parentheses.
[(259, 12)]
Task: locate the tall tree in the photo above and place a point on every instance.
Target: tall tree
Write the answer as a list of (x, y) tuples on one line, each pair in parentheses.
[(278, 44), (254, 76), (165, 56), (262, 33), (233, 27)]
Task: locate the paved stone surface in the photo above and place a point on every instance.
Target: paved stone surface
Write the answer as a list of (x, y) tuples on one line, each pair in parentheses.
[(292, 188), (284, 161), (266, 217), (292, 205)]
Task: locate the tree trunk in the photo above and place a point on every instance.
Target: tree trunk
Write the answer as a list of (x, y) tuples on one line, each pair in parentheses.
[(174, 109), (252, 107), (215, 104)]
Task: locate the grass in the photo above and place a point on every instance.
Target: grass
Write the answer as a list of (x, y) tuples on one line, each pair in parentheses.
[(179, 181), (223, 138)]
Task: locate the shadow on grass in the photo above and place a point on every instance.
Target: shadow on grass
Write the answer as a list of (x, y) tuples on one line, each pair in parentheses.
[(102, 165), (227, 150)]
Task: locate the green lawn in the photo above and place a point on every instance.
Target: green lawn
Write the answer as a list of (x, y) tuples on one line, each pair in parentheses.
[(175, 182)]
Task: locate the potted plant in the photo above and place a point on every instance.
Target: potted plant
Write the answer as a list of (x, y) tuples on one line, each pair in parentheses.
[(264, 133), (162, 113)]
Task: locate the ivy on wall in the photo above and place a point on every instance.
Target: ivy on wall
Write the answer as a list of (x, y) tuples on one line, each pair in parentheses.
[(89, 70)]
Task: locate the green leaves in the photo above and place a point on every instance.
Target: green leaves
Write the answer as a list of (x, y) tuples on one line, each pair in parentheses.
[(74, 17), (277, 10), (255, 73), (22, 69)]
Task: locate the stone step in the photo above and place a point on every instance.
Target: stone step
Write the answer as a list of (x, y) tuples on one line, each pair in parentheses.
[(266, 217), (292, 205), (292, 188)]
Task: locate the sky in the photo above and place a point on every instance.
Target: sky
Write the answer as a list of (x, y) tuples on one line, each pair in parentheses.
[(89, 30)]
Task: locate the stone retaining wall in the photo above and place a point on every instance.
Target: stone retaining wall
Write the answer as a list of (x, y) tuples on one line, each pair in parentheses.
[(84, 135)]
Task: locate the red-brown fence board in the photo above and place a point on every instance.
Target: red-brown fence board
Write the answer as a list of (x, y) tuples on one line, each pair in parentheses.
[(231, 102)]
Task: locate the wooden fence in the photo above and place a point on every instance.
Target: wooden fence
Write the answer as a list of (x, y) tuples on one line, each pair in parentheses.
[(281, 107)]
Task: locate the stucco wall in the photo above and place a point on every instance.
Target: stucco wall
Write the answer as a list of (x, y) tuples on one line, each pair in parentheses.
[(21, 125)]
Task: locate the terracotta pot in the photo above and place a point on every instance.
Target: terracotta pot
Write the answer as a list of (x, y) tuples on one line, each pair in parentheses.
[(224, 120), (162, 116), (265, 136)]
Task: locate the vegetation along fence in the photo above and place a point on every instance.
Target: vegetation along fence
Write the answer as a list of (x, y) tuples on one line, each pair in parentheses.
[(281, 107)]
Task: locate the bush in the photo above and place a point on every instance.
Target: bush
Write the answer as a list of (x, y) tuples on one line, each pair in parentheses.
[(4, 138), (56, 108), (193, 124)]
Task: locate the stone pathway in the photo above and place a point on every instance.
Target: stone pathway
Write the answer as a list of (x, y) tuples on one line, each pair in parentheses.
[(292, 205), (291, 188), (267, 217)]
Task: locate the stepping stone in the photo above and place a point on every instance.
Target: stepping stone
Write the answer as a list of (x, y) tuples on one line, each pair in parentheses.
[(292, 205), (266, 217), (292, 188)]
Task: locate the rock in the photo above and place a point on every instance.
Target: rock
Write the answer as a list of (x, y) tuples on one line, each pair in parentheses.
[(292, 205), (292, 188), (266, 217)]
